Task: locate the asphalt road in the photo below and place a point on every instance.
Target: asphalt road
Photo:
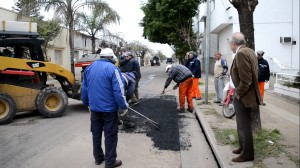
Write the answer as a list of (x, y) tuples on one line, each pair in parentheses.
[(33, 141)]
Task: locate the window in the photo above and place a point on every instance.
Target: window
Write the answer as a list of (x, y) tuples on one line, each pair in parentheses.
[(58, 56)]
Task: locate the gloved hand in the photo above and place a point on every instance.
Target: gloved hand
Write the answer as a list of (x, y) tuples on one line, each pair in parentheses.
[(193, 76), (266, 81), (123, 113), (175, 87)]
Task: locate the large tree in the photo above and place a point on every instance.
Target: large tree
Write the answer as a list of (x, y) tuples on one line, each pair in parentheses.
[(96, 21), (170, 22), (29, 8), (245, 10), (67, 10)]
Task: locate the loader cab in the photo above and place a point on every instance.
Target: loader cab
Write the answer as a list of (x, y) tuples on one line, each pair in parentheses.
[(23, 47)]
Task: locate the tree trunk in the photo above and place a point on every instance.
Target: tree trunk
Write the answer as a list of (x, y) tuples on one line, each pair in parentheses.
[(255, 120), (93, 44), (246, 26), (71, 42)]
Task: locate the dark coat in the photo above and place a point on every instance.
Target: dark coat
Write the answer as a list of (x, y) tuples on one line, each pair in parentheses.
[(130, 66), (263, 70), (195, 66), (244, 75)]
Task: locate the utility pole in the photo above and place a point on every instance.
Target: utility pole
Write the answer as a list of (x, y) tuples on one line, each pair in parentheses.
[(207, 49)]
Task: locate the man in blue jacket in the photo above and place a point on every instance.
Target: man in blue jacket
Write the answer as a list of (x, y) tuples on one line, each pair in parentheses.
[(103, 93), (194, 65), (130, 64), (129, 80)]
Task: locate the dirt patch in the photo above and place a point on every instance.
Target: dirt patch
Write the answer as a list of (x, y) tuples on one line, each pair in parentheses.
[(163, 111)]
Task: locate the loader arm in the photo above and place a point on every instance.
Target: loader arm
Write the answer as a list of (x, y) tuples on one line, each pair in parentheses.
[(64, 76)]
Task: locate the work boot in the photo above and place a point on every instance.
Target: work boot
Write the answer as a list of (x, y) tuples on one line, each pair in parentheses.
[(190, 110), (117, 163), (181, 110), (128, 125), (99, 161)]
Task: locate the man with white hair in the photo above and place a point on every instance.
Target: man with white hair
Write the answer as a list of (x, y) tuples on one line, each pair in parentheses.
[(103, 92), (244, 74)]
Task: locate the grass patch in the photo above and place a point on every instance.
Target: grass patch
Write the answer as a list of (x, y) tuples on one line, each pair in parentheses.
[(222, 136), (266, 144), (200, 83), (211, 96)]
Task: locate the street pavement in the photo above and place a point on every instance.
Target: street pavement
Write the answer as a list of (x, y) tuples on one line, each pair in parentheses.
[(280, 113), (33, 141)]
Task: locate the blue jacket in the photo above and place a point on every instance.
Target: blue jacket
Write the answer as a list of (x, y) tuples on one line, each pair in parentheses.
[(102, 87), (130, 65), (195, 66), (263, 70), (129, 84)]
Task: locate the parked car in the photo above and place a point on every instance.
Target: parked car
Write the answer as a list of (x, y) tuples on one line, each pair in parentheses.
[(170, 61)]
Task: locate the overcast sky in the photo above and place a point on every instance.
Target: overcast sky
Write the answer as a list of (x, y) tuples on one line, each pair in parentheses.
[(131, 15)]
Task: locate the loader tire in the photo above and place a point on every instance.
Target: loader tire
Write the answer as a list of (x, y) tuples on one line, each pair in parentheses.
[(7, 108), (52, 102)]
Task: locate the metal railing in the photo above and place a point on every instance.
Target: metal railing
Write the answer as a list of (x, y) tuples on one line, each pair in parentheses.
[(284, 77)]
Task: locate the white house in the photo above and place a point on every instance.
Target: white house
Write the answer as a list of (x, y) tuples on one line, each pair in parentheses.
[(276, 25)]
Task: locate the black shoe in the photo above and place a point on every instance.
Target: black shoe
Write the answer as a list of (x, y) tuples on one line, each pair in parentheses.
[(117, 163), (198, 98), (181, 110), (216, 101), (98, 162), (190, 110), (263, 104)]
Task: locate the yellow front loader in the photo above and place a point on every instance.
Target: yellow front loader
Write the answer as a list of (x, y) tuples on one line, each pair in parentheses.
[(24, 72)]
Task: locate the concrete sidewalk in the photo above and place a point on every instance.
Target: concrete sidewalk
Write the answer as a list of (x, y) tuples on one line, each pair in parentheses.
[(279, 113)]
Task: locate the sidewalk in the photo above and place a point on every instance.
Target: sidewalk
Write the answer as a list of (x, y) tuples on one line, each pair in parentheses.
[(279, 113)]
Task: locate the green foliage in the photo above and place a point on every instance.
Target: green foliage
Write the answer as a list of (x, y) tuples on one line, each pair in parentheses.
[(29, 8), (49, 30), (296, 84), (170, 22), (96, 21)]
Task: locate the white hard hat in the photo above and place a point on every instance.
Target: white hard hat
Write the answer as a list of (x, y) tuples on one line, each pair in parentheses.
[(107, 52), (168, 67)]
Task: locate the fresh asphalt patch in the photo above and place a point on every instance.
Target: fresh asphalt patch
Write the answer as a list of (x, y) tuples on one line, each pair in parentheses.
[(163, 111)]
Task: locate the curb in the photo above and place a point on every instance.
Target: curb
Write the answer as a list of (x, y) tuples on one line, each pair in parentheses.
[(210, 137)]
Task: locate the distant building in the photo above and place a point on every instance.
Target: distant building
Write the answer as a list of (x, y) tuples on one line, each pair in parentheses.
[(276, 25)]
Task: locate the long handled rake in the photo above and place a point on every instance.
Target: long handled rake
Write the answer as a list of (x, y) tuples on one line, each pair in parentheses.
[(148, 119)]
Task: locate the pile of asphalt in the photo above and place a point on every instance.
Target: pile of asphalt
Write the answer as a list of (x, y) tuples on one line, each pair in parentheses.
[(163, 111)]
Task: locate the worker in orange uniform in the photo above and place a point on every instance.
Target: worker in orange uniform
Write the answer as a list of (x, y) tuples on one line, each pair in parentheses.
[(183, 77), (194, 66), (263, 74)]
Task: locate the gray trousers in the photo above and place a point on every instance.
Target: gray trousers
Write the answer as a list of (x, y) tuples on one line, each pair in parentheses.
[(135, 96), (244, 129), (219, 86)]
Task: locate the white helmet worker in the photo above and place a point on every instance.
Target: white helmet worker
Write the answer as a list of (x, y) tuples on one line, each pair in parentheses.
[(107, 52), (168, 67)]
